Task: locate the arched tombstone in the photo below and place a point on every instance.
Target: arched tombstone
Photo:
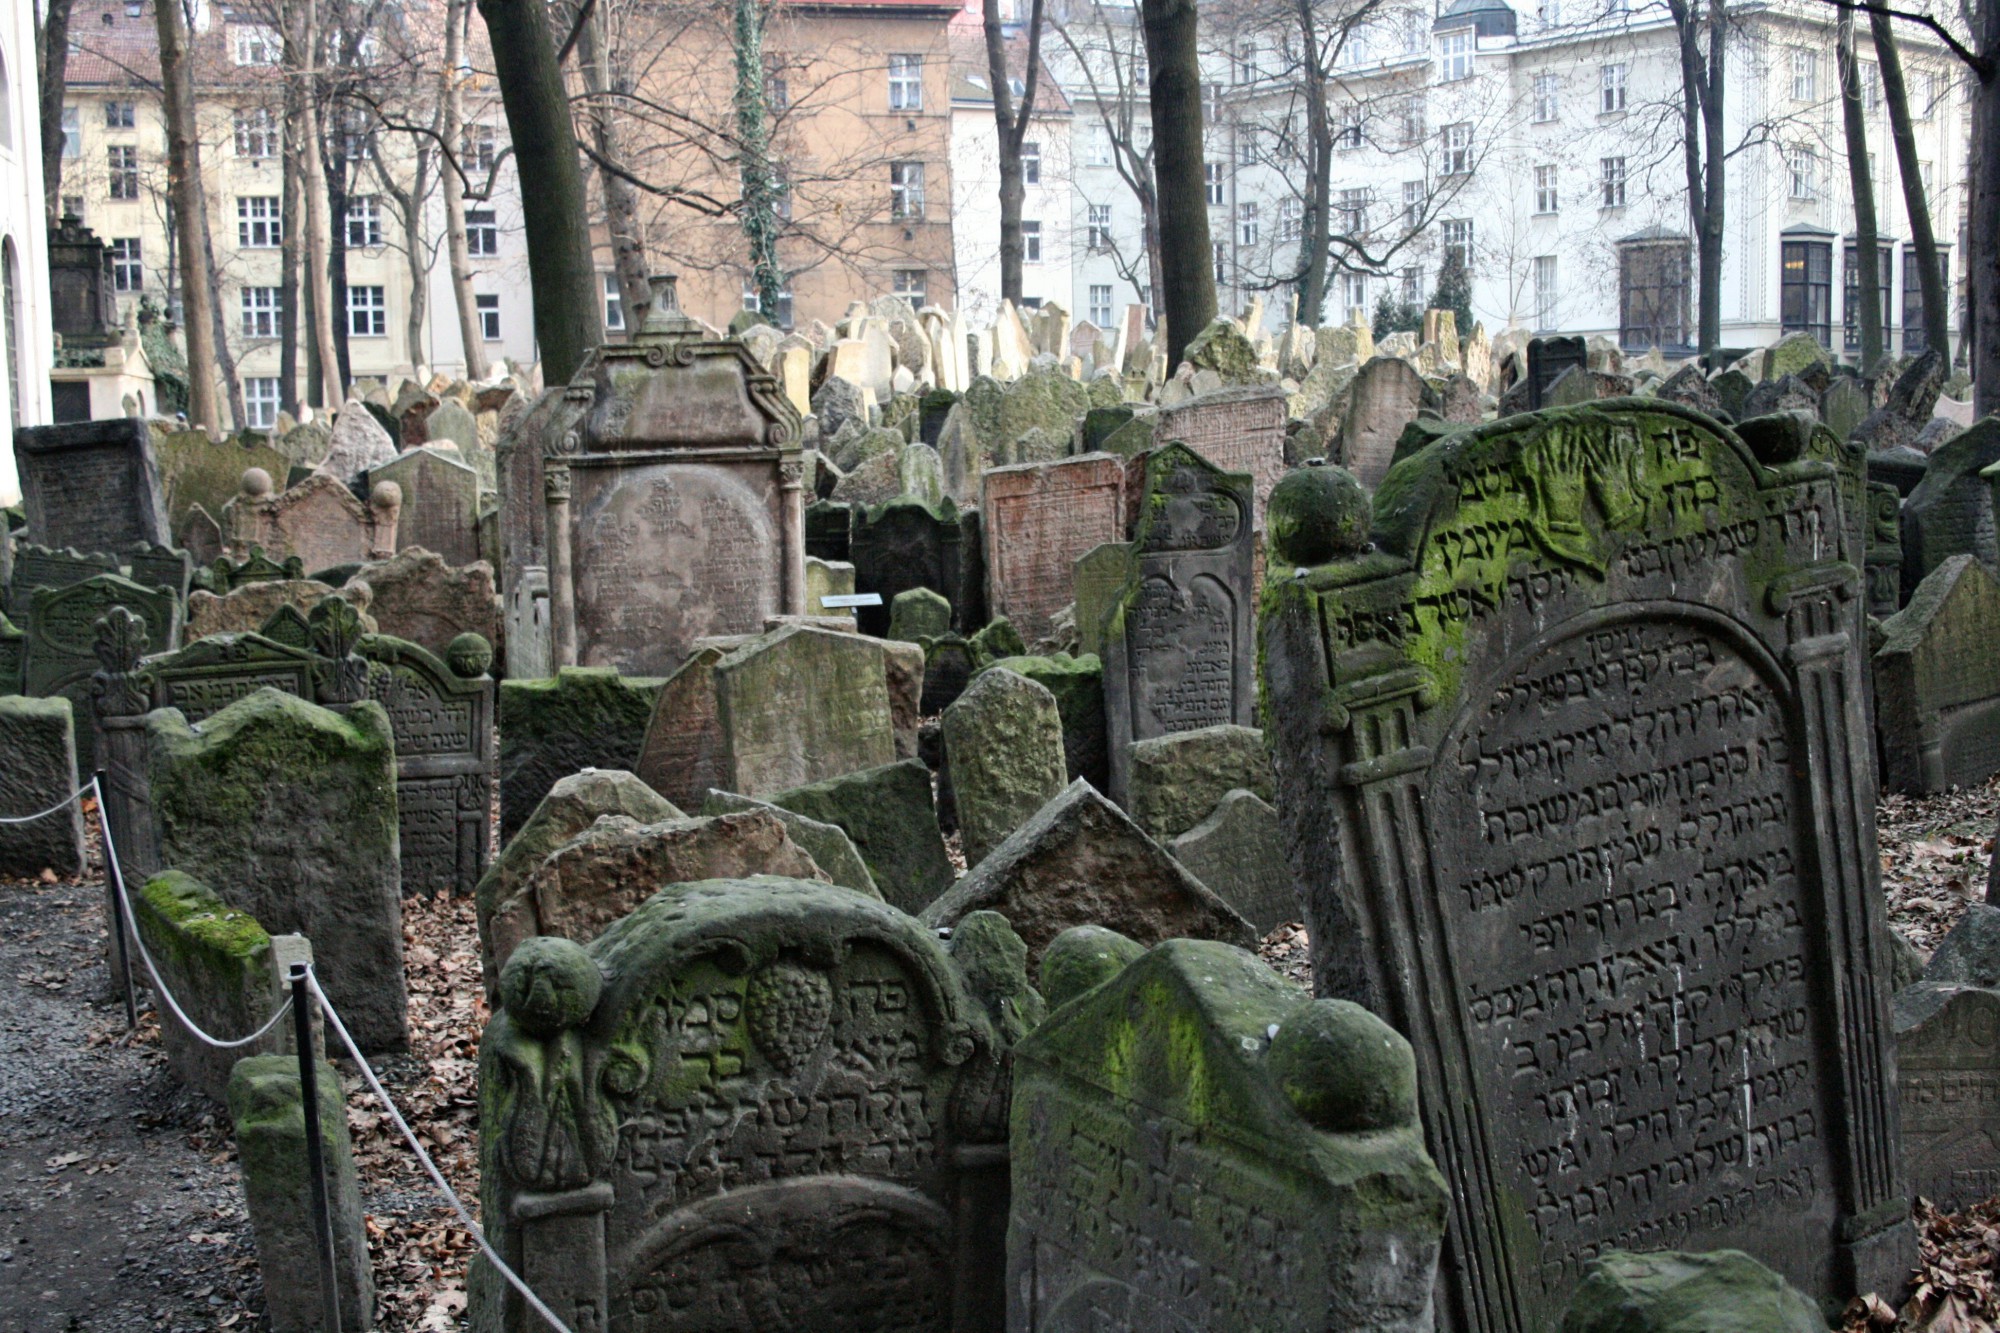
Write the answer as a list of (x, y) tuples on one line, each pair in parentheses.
[(1576, 777), (749, 1105)]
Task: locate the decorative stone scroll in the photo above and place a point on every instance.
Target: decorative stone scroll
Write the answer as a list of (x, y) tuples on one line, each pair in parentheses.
[(676, 507), (93, 485), (1577, 782), (749, 1105)]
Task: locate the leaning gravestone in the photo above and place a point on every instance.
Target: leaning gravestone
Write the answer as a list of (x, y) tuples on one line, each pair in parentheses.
[(889, 815), (1948, 1075), (1937, 682), (37, 774), (681, 756), (1039, 518), (1199, 1145), (93, 485), (799, 705), (1951, 510), (1239, 852), (1605, 851), (1177, 647), (1004, 741), (42, 567), (748, 1105), (415, 595), (1099, 576)]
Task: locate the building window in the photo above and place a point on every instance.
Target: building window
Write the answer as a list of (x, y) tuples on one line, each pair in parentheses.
[(1545, 190), (1410, 113), (1098, 235), (257, 44), (1613, 181), (120, 115), (1458, 241), (1211, 177), (1923, 94), (357, 136), (1548, 88), (256, 133), (1458, 149), (1653, 294), (477, 147), (1352, 211), (1611, 90), (906, 83), (906, 189), (1031, 164), (482, 232), (909, 284), (1100, 305), (72, 132), (1221, 254), (1246, 146), (1871, 86), (1097, 147), (614, 304), (260, 401), (258, 222), (1805, 75), (1413, 283), (364, 222), (1802, 160), (368, 313), (1805, 289), (1246, 61), (1031, 242), (1915, 332), (777, 92), (1246, 224), (127, 273), (1850, 305), (1455, 55), (122, 166), (262, 315), (1291, 220), (489, 317), (1414, 202), (1354, 290), (1347, 134), (1545, 292)]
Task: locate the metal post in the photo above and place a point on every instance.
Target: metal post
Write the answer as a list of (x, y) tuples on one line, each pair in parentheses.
[(329, 1289), (114, 888)]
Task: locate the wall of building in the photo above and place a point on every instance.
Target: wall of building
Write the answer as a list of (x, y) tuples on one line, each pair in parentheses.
[(26, 343)]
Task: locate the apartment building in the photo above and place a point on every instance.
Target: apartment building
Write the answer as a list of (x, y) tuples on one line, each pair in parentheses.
[(26, 348)]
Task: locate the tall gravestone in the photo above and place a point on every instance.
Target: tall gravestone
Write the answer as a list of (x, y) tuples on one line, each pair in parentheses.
[(800, 705), (748, 1105), (1951, 510), (1237, 429), (1039, 517), (1386, 395), (902, 545), (1937, 682), (1548, 358), (1576, 779), (440, 503), (45, 567), (676, 506), (1176, 644), (93, 485)]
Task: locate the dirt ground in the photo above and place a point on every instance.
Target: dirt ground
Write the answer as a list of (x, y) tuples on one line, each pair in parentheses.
[(120, 1209)]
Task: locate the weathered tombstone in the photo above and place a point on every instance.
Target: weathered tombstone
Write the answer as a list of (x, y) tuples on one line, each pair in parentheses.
[(198, 471), (1039, 518), (825, 579), (1199, 1145), (1668, 1291), (902, 545), (1003, 740), (676, 507), (1548, 358), (40, 567), (319, 520), (1238, 430), (1604, 852), (799, 1086), (211, 673), (37, 774), (576, 719), (1386, 396), (917, 614), (1951, 510), (1885, 549), (828, 531), (152, 566), (288, 811), (1937, 682), (1948, 1078), (1239, 852), (440, 503), (1177, 649), (359, 444), (1078, 686), (948, 668), (415, 595), (827, 844), (250, 607), (92, 485), (888, 814), (681, 756), (1175, 780), (62, 637), (800, 705)]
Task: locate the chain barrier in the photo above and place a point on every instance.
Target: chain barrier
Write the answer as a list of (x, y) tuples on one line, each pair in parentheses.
[(86, 788)]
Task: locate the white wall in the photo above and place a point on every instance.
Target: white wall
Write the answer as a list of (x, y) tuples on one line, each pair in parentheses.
[(22, 228)]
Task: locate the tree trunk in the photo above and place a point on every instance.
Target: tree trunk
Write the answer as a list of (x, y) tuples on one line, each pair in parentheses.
[(225, 357), (552, 206), (291, 215), (52, 70), (1714, 195), (1007, 152), (336, 194), (458, 260), (411, 205), (1316, 227), (301, 54), (621, 201), (1983, 259), (1186, 257), (760, 189), (184, 188), (1930, 273), (1861, 181)]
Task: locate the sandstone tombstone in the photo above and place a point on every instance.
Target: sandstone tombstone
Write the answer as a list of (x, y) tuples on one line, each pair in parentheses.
[(1937, 682), (38, 773), (1004, 741), (682, 756), (1077, 682), (440, 503), (1238, 430), (889, 815), (1176, 780), (359, 444), (213, 672), (319, 521), (61, 648), (92, 484), (1885, 549), (250, 607), (1099, 577), (1605, 852), (799, 705), (416, 595), (1386, 396), (1039, 517)]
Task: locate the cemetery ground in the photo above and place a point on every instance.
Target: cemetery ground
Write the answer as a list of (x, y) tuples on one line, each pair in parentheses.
[(121, 1208)]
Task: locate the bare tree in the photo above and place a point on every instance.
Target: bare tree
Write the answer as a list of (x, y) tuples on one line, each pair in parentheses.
[(52, 82), (1704, 152), (1011, 129), (1916, 203), (607, 82), (301, 62), (191, 213), (451, 103), (1861, 182), (1186, 257)]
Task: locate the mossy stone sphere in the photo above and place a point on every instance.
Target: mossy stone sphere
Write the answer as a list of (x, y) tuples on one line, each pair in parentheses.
[(1317, 514), (1083, 958), (549, 984), (469, 654), (1344, 1069)]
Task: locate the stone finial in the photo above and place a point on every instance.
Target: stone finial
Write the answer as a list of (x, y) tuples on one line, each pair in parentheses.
[(256, 483)]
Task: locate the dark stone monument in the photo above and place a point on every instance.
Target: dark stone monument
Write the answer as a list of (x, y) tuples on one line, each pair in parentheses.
[(902, 545), (1951, 510), (62, 636), (1884, 550), (92, 485), (1937, 682), (579, 718), (1948, 1075), (1548, 358), (1576, 779), (41, 567)]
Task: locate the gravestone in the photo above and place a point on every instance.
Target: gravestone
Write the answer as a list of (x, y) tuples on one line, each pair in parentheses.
[(1951, 510), (1238, 430), (889, 815), (919, 614), (38, 773), (251, 606), (1605, 852), (440, 503), (1948, 1078), (358, 445), (676, 505), (681, 756), (1885, 549), (1177, 649), (528, 429), (1386, 396), (1039, 517), (1239, 852), (1937, 682), (1004, 741), (828, 528), (41, 567), (62, 636), (1198, 1145), (93, 485), (799, 705), (1548, 358), (213, 672), (152, 566), (798, 1124), (576, 719), (948, 668), (902, 545), (1177, 779), (827, 844), (829, 578), (415, 595), (200, 472), (1078, 685), (319, 521)]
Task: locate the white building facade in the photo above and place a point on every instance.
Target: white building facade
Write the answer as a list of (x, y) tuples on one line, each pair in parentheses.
[(26, 345)]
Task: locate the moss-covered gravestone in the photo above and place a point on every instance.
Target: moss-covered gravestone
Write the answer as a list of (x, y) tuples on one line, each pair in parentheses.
[(1003, 740), (1198, 1144), (1077, 682), (62, 634), (907, 544), (800, 705), (682, 755), (579, 718), (1937, 682), (1725, 1291), (37, 773), (1575, 772), (1177, 779), (889, 814), (217, 962), (748, 1105), (288, 812), (827, 844)]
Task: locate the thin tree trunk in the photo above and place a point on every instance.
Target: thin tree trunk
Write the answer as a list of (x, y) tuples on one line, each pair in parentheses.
[(225, 356), (184, 187), (1930, 273), (302, 42), (1983, 259), (52, 70), (621, 201), (336, 265), (1316, 227), (1715, 191), (457, 258), (410, 203), (1861, 181), (291, 215), (553, 206), (1186, 257), (1010, 131), (760, 188)]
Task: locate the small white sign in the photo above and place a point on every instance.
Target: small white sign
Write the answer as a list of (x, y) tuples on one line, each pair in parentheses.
[(841, 601)]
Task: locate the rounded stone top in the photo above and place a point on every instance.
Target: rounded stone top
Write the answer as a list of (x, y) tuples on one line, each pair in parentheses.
[(469, 654), (385, 495), (256, 482), (1083, 958), (1344, 1069), (549, 984), (1316, 514)]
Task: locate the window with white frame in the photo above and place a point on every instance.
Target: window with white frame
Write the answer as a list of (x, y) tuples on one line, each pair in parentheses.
[(477, 147), (1097, 147), (1100, 304), (72, 205), (1291, 219), (1410, 112), (1031, 242), (1354, 290), (1351, 211), (1031, 163), (128, 274), (1923, 93), (1548, 98), (263, 311), (1805, 74), (906, 83), (120, 115), (754, 300), (364, 222), (256, 133), (614, 303), (1413, 283), (260, 401), (1802, 163), (1457, 236), (1347, 132), (488, 307), (257, 44), (1211, 177), (72, 132), (1611, 88), (1871, 86), (258, 222), (122, 169), (1221, 256), (906, 189), (777, 92), (1246, 60), (1415, 198), (1612, 179), (357, 136), (1458, 149), (367, 313), (910, 284), (482, 232), (1545, 190), (1246, 146), (1545, 291), (1097, 235), (1455, 55), (1246, 224)]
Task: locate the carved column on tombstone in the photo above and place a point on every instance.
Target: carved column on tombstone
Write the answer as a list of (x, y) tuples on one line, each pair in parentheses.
[(791, 485), (562, 1253), (121, 696), (562, 574), (385, 507)]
